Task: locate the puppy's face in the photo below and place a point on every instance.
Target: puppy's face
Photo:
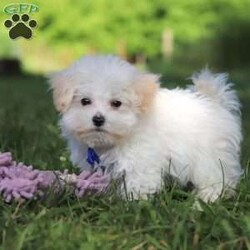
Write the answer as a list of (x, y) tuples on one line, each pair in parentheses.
[(102, 99)]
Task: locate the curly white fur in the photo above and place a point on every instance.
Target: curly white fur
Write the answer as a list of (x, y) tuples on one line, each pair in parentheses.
[(193, 134)]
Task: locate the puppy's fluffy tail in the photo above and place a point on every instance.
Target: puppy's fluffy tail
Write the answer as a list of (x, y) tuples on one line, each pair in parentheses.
[(216, 87)]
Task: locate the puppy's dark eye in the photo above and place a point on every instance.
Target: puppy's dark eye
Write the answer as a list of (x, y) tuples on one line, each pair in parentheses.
[(116, 103), (85, 101)]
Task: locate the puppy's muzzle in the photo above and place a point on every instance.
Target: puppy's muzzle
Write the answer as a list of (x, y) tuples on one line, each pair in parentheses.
[(98, 120)]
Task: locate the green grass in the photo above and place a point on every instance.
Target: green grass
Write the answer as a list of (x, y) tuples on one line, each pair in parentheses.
[(28, 128)]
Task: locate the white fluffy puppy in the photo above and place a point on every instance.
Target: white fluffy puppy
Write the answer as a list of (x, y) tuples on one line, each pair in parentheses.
[(146, 131)]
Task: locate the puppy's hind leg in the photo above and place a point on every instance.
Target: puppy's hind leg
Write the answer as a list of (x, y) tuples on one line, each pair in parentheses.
[(214, 180)]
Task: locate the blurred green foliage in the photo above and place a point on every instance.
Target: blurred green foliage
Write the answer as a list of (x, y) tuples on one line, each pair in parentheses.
[(101, 23), (8, 49), (72, 28)]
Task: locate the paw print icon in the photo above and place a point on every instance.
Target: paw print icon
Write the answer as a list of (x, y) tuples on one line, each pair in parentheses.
[(20, 26)]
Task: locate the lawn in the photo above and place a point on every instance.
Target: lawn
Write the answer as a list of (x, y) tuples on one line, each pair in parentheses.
[(28, 128)]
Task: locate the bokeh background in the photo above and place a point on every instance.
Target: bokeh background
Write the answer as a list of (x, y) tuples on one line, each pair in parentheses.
[(170, 37), (184, 34)]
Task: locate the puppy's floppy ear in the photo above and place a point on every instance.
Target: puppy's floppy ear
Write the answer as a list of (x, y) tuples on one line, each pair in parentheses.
[(63, 88), (146, 86)]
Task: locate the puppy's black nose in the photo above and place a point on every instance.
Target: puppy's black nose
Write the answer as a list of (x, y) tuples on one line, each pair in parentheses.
[(98, 120)]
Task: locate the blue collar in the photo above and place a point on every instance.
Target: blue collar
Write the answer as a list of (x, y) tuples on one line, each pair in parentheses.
[(92, 157)]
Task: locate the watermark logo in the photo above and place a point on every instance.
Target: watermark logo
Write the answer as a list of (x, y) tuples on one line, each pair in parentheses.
[(20, 24)]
